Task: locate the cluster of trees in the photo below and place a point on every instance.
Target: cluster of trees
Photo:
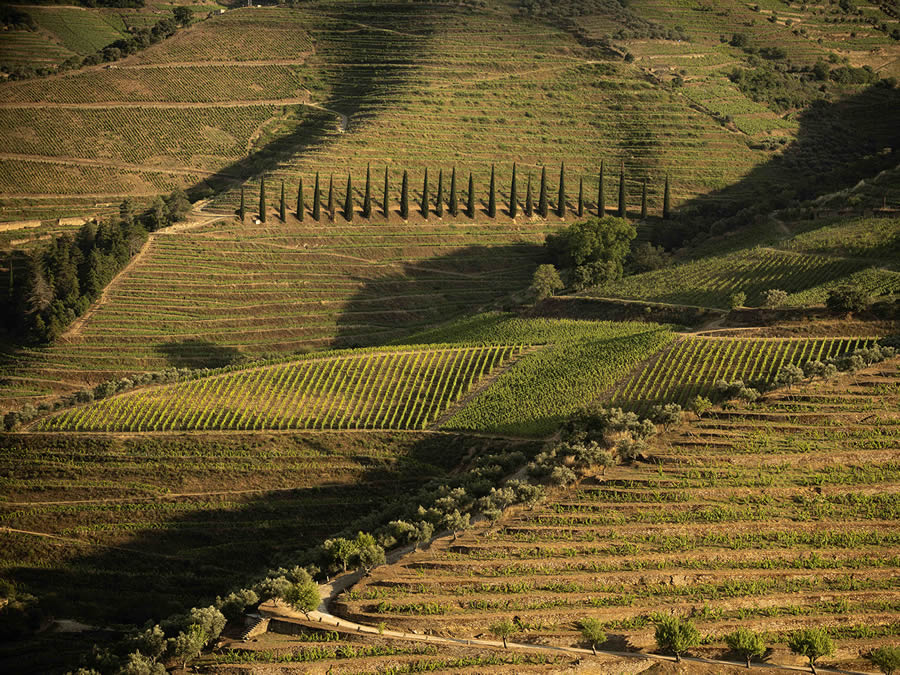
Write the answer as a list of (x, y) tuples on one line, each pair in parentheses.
[(55, 284), (453, 202), (592, 251), (140, 39)]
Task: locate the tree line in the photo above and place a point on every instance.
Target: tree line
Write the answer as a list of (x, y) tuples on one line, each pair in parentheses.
[(49, 287), (454, 203)]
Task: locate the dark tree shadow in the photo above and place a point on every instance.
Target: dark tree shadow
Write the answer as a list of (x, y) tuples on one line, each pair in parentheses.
[(194, 353)]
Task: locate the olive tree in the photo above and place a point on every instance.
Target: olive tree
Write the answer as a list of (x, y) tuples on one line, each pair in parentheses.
[(592, 632), (747, 643), (813, 643), (676, 635)]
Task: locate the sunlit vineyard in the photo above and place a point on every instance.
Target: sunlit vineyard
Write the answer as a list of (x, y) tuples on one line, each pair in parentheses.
[(692, 366), (390, 390), (774, 517)]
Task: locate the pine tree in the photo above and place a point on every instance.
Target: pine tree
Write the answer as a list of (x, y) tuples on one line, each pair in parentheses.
[(439, 200), (386, 205), (542, 197), (513, 205), (561, 199), (666, 203), (581, 197), (367, 199), (622, 210), (348, 200), (242, 212), (529, 204), (644, 200), (424, 205), (601, 198), (262, 199), (454, 202), (471, 207), (282, 212), (317, 200), (300, 207), (404, 197), (331, 196), (492, 199)]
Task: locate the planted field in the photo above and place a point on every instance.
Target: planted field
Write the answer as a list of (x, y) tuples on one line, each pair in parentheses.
[(692, 366), (389, 390), (122, 529), (805, 275), (774, 517)]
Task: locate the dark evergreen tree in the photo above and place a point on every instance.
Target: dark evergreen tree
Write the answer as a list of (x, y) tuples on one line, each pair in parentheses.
[(242, 212), (348, 200), (471, 205), (262, 199), (601, 197), (317, 200), (581, 197), (301, 209), (386, 205), (454, 202), (367, 199), (513, 198), (492, 199), (622, 209), (561, 198), (666, 204), (404, 197), (644, 199), (424, 205), (282, 211), (439, 198), (543, 209), (529, 204), (331, 196)]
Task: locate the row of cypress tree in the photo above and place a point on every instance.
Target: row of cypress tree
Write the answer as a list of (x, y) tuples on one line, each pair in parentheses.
[(542, 209)]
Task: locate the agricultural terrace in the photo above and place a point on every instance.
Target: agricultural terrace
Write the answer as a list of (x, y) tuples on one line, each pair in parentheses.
[(414, 90), (119, 529), (691, 366), (213, 295), (861, 251), (382, 390), (776, 516)]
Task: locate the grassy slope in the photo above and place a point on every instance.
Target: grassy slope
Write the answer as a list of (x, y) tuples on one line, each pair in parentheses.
[(724, 525)]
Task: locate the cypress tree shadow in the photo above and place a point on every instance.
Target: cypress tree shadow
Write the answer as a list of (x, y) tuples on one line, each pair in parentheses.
[(193, 353), (373, 63)]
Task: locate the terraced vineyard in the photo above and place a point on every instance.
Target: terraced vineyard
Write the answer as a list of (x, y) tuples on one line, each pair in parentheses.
[(692, 366), (773, 517), (389, 390)]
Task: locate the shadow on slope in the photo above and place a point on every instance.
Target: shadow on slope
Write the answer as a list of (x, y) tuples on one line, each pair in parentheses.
[(193, 353), (372, 63)]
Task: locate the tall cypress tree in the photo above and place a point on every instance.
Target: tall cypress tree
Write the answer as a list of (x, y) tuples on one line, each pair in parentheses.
[(471, 207), (242, 211), (542, 197), (331, 196), (513, 205), (601, 197), (424, 205), (300, 207), (282, 212), (404, 197), (348, 200), (262, 199), (644, 200), (317, 200), (367, 199), (666, 212), (439, 199), (529, 205), (454, 202), (386, 205), (622, 210), (561, 198), (581, 197), (492, 199)]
